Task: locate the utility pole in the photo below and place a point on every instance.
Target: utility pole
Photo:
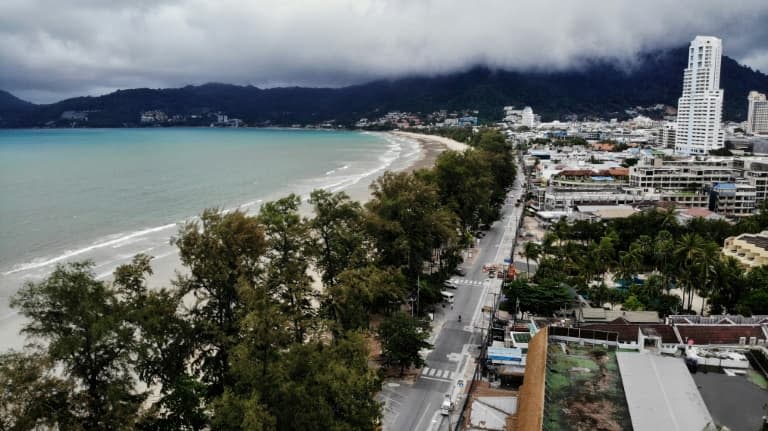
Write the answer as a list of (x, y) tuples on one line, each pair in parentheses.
[(418, 293)]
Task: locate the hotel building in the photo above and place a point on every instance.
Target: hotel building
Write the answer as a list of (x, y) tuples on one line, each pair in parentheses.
[(757, 114), (700, 108)]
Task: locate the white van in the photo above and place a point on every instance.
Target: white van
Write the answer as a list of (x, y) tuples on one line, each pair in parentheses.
[(447, 407), (447, 296)]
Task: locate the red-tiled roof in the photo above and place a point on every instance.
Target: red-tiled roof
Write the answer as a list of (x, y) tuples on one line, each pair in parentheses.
[(602, 146), (577, 173), (618, 172), (628, 332), (719, 334)]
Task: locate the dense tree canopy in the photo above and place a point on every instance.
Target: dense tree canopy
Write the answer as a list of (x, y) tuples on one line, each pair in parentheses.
[(670, 255), (402, 340)]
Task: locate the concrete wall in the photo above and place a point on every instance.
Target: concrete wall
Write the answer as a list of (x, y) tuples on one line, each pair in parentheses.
[(530, 411)]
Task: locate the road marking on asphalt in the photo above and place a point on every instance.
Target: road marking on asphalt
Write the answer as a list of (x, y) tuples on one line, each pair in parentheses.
[(421, 418), (465, 281), (436, 374), (437, 379)]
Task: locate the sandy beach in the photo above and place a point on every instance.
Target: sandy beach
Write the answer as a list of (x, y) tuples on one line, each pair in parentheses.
[(433, 141), (167, 264)]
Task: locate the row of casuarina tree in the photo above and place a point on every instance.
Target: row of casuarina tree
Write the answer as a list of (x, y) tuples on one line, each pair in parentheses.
[(242, 338), (671, 255)]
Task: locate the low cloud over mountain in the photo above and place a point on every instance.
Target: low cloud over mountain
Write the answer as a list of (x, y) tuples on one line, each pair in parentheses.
[(52, 49)]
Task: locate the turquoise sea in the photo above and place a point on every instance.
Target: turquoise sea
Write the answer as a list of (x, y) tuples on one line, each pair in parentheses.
[(107, 194)]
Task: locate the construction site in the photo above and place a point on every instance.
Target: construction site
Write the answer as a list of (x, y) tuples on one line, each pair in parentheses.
[(584, 389)]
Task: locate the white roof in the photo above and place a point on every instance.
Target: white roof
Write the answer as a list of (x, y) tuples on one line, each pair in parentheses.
[(661, 393), (491, 412)]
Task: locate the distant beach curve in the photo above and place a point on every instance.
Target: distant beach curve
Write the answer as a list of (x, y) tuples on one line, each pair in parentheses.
[(446, 142)]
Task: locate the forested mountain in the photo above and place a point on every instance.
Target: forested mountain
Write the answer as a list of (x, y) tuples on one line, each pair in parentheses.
[(600, 88), (9, 102)]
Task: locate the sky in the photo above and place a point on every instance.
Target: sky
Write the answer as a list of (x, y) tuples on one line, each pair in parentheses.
[(54, 49)]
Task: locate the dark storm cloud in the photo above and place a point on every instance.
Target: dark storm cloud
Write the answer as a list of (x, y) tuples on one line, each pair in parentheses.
[(53, 49)]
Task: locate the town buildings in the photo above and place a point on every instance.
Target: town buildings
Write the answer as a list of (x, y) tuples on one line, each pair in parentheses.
[(153, 117), (757, 113), (514, 117), (700, 108)]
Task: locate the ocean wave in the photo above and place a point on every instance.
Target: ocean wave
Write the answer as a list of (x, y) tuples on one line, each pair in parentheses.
[(35, 264), (333, 171)]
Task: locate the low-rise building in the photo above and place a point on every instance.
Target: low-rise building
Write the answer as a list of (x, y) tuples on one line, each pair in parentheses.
[(150, 117), (732, 199), (689, 174), (750, 250)]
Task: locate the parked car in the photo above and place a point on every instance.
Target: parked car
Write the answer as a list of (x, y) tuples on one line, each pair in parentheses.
[(461, 271)]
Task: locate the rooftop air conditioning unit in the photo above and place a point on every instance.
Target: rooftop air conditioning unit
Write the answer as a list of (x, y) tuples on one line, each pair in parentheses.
[(742, 340), (752, 341)]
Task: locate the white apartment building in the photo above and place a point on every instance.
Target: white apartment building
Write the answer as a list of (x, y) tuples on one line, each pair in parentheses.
[(520, 117), (755, 173), (730, 186), (686, 174), (757, 114), (700, 108), (527, 118), (667, 135)]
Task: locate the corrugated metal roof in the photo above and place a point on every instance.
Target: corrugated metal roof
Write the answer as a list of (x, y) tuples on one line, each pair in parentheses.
[(661, 393)]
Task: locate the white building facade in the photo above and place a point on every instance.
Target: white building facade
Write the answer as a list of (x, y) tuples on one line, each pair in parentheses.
[(527, 118), (700, 108), (757, 113)]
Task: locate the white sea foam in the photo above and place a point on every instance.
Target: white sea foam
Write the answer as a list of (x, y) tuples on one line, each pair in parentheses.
[(333, 171), (393, 153), (35, 264)]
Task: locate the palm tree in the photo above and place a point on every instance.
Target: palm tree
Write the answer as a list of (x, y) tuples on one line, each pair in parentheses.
[(707, 267), (727, 283), (604, 254), (669, 220), (644, 246), (688, 253), (531, 250), (629, 264), (664, 247), (652, 289), (548, 243)]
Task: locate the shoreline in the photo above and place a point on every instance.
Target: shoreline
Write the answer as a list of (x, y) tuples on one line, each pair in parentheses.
[(166, 265), (425, 139), (430, 149)]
